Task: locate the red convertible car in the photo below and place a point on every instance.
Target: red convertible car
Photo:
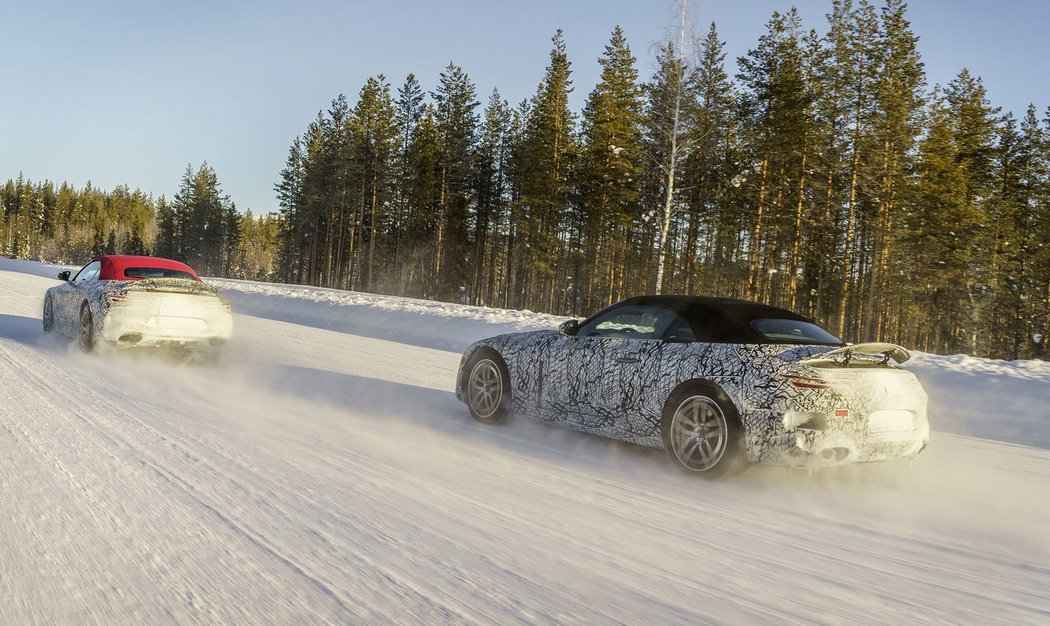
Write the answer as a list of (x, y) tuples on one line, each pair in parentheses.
[(133, 301)]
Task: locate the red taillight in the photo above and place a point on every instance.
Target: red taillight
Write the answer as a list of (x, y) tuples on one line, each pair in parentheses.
[(805, 382), (115, 297)]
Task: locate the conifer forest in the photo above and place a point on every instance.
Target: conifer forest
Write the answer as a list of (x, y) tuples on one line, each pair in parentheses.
[(825, 176)]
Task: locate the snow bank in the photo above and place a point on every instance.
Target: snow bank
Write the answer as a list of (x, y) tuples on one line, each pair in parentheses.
[(987, 398), (424, 323)]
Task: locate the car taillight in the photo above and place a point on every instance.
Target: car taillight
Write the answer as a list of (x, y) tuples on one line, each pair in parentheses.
[(805, 382), (115, 297)]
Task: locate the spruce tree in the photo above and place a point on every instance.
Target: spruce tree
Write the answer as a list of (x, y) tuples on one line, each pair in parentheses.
[(409, 107), (777, 105), (545, 162), (375, 142), (490, 211), (669, 119), (456, 125), (610, 170)]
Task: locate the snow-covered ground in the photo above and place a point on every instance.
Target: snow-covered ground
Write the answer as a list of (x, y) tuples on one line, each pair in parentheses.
[(322, 471)]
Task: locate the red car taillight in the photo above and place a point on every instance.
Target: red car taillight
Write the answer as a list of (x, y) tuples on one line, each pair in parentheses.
[(805, 382), (115, 297)]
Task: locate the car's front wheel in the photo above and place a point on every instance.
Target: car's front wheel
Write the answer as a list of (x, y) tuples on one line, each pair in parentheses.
[(86, 335), (49, 314), (488, 387), (701, 429)]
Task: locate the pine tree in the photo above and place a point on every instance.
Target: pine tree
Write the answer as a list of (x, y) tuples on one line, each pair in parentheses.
[(777, 105), (456, 125), (669, 122), (375, 137), (491, 184), (420, 223), (410, 108), (293, 232), (610, 170), (899, 101), (974, 123), (545, 162), (205, 220), (941, 235), (709, 172)]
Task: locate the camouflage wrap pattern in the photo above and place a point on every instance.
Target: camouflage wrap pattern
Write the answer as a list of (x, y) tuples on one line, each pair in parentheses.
[(619, 388)]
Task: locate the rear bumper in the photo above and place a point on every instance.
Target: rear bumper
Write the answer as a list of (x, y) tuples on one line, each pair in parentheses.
[(838, 444), (157, 331), (819, 449)]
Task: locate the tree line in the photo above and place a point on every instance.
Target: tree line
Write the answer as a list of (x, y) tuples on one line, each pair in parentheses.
[(201, 226), (826, 176)]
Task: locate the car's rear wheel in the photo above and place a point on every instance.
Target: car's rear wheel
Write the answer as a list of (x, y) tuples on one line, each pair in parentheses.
[(86, 335), (488, 387), (701, 430), (49, 315)]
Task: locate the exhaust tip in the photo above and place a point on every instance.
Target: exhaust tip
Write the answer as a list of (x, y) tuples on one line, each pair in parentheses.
[(131, 338), (836, 454)]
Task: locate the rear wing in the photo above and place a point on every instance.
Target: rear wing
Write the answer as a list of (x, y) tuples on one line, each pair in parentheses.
[(862, 354), (172, 285)]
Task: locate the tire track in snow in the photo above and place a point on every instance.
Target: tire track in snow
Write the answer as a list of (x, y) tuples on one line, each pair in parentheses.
[(77, 395)]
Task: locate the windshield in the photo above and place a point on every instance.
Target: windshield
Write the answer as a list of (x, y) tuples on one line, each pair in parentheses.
[(156, 272), (794, 331)]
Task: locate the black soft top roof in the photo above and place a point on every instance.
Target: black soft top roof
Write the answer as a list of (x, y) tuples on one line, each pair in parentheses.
[(719, 320)]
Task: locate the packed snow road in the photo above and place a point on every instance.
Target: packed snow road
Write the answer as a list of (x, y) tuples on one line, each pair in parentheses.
[(323, 472)]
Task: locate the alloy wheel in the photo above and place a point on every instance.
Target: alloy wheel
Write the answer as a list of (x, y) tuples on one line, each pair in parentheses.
[(699, 433), (485, 388)]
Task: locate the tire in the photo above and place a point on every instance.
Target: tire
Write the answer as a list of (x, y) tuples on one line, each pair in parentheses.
[(49, 315), (86, 333), (702, 432), (487, 387)]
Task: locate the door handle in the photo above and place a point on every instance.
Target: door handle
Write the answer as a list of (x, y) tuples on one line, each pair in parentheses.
[(627, 359)]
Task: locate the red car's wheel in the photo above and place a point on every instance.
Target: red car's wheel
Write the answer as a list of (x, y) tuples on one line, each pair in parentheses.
[(49, 315), (86, 336)]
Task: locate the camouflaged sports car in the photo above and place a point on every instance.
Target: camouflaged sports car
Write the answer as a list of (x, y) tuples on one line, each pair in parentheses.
[(718, 382), (138, 301)]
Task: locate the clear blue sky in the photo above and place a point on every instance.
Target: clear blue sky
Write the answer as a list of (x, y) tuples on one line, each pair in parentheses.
[(121, 91)]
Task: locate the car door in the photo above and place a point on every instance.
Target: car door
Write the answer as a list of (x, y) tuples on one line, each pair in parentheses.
[(623, 352), (84, 280), (72, 294)]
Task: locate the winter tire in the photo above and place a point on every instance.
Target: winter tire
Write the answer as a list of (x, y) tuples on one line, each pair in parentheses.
[(49, 315), (487, 388), (702, 432), (86, 334)]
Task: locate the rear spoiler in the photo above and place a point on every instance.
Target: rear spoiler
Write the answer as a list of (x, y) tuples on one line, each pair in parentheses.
[(880, 352), (172, 285)]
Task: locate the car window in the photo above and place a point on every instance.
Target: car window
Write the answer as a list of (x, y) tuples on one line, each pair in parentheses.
[(89, 272), (632, 321), (794, 331), (157, 272), (679, 331)]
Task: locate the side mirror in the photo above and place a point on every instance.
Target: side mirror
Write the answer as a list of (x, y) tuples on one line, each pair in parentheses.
[(569, 328), (64, 275)]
